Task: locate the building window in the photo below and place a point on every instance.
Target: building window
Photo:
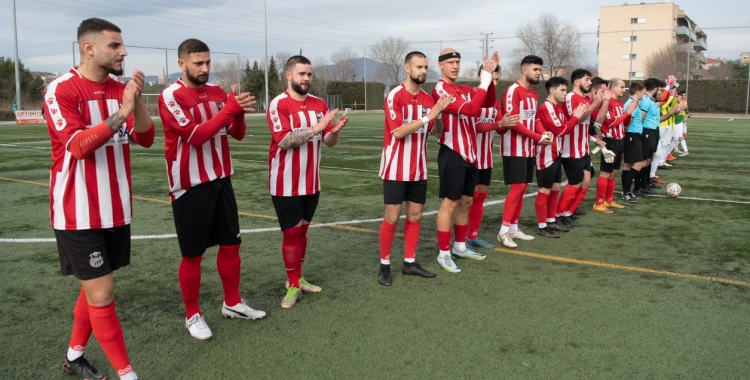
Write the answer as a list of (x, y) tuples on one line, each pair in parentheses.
[(638, 20), (628, 56), (636, 74), (630, 39)]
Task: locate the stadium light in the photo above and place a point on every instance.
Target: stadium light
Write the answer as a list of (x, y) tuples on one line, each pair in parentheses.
[(747, 97)]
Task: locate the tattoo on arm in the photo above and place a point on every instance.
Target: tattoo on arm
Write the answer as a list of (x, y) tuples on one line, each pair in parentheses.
[(297, 138), (115, 121)]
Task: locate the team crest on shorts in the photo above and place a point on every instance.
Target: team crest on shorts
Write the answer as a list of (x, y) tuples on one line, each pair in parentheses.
[(96, 260)]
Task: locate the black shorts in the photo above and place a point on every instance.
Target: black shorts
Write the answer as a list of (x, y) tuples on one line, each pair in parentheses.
[(206, 215), (616, 146), (545, 178), (633, 148), (574, 168), (484, 176), (292, 210), (650, 141), (398, 192), (458, 178), (89, 254), (518, 170)]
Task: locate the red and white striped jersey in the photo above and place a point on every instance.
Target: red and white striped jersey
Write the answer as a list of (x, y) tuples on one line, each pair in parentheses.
[(485, 140), (183, 110), (552, 118), (459, 132), (296, 171), (94, 192), (518, 100), (615, 112), (576, 143), (405, 159)]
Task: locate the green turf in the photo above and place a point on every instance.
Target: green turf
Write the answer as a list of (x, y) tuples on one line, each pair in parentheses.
[(509, 317)]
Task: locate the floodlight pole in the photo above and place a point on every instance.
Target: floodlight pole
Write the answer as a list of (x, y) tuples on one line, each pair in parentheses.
[(166, 63), (747, 97), (17, 64), (74, 53), (364, 69), (265, 26), (630, 73)]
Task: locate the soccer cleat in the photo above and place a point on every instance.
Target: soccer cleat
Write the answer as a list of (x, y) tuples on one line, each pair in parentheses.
[(677, 150), (506, 240), (657, 181), (242, 310), (521, 236), (384, 275), (669, 163), (641, 194), (448, 264), (662, 167), (654, 186), (547, 232), (684, 154), (415, 269), (670, 157), (579, 212), (82, 368), (479, 243), (650, 191), (631, 198), (556, 226), (571, 222), (614, 204), (291, 297), (603, 209), (468, 254), (197, 327), (306, 286)]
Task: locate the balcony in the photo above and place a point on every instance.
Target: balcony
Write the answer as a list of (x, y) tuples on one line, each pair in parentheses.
[(684, 31), (700, 45), (685, 48)]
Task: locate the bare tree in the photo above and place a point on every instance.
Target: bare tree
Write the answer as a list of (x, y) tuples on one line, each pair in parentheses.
[(669, 60), (344, 68), (281, 58), (557, 42), (226, 74), (511, 71), (721, 71), (320, 77), (390, 51)]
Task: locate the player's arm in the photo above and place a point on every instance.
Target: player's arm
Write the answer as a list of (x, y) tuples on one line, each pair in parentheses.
[(331, 133), (394, 117), (182, 123), (672, 111), (238, 128), (513, 107), (143, 130), (437, 127), (472, 108)]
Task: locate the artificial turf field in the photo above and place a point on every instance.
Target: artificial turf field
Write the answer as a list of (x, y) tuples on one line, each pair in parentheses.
[(659, 290)]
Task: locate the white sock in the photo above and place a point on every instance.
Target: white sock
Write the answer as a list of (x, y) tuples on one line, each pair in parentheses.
[(444, 254), (460, 246), (567, 213), (129, 376), (504, 229), (551, 220), (74, 354), (410, 260), (654, 166), (385, 262), (513, 228), (542, 225), (684, 146)]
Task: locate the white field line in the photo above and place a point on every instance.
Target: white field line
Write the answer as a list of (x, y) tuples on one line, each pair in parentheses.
[(706, 199)]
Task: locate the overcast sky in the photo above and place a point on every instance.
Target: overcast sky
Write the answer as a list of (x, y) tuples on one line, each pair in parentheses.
[(47, 28)]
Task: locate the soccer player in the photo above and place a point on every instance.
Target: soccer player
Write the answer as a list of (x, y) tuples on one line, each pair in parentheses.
[(197, 117), (575, 148), (553, 118), (680, 127), (517, 147), (410, 115), (665, 134), (633, 149), (298, 123), (613, 119), (91, 119), (458, 153)]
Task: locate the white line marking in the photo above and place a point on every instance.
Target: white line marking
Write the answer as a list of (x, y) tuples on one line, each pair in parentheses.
[(706, 199)]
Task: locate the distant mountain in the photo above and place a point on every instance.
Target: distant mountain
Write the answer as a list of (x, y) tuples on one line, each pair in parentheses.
[(372, 71)]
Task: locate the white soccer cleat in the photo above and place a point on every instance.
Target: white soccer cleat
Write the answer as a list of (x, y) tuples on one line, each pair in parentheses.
[(242, 310), (506, 240), (197, 327), (521, 236)]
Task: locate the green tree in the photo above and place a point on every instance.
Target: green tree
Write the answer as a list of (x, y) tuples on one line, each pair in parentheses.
[(31, 87), (254, 80)]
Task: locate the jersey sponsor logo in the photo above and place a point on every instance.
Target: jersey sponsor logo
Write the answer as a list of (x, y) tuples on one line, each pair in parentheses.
[(528, 114), (485, 120), (98, 92), (96, 260)]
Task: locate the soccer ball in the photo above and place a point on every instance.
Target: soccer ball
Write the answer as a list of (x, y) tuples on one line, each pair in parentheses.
[(674, 190)]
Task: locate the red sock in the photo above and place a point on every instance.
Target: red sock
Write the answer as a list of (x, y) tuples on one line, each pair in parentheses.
[(228, 262), (475, 214), (519, 204), (190, 283), (291, 252), (303, 245), (444, 240), (541, 207), (411, 238), (387, 232), (580, 196), (567, 198), (511, 201), (610, 189), (81, 324), (108, 332), (552, 204), (459, 232), (601, 189)]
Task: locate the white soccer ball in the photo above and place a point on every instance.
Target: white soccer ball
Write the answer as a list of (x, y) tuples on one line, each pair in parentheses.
[(674, 190)]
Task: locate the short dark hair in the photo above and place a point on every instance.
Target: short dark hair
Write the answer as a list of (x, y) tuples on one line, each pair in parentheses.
[(191, 45), (578, 74), (614, 82), (295, 59), (681, 93), (413, 54), (96, 25), (597, 82), (555, 82), (532, 60), (635, 87), (651, 83)]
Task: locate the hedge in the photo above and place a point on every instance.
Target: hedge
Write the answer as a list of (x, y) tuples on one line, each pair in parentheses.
[(353, 93)]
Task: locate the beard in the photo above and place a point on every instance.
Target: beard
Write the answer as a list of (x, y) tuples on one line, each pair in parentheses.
[(585, 90), (300, 88), (199, 80), (532, 80), (417, 79), (113, 70)]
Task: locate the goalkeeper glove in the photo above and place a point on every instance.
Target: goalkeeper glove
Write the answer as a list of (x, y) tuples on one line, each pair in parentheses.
[(609, 156)]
